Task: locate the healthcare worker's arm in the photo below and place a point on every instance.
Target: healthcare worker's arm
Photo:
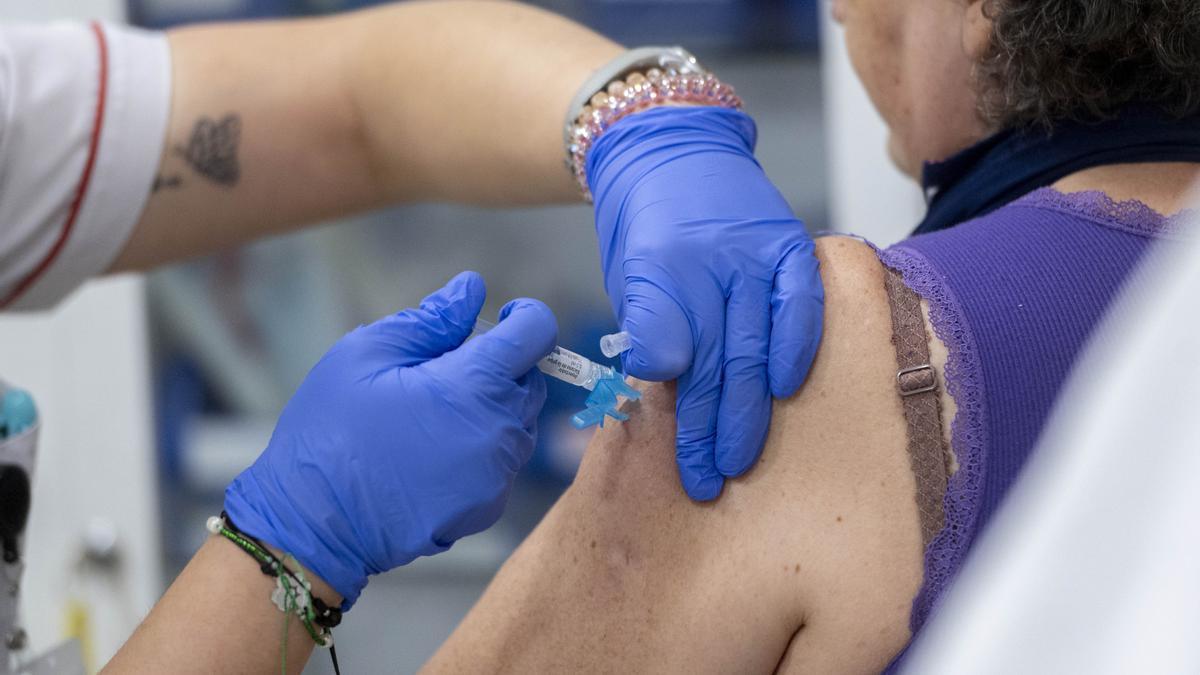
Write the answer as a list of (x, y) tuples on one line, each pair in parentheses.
[(706, 266), (274, 124), (121, 149), (217, 618), (402, 440), (712, 275), (124, 149), (705, 263)]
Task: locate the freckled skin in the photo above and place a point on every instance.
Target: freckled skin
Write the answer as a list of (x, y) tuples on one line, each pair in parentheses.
[(912, 60)]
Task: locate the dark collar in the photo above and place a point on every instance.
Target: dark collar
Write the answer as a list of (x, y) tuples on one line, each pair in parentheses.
[(1012, 163)]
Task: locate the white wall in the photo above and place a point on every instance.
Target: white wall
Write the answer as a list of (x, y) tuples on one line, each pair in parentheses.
[(868, 195), (87, 367)]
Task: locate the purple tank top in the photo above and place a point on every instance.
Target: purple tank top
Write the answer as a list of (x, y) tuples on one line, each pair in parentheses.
[(1014, 295)]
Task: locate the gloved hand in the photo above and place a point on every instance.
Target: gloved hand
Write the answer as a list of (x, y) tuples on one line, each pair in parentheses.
[(401, 440), (712, 276)]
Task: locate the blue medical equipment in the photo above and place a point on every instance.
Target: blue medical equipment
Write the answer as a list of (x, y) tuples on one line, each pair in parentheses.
[(17, 412), (605, 382), (18, 442), (401, 440), (711, 273)]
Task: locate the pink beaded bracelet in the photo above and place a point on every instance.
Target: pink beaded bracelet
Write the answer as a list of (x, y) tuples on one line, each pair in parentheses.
[(636, 93)]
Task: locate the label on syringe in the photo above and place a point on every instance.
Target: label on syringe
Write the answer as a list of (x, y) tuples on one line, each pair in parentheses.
[(566, 366)]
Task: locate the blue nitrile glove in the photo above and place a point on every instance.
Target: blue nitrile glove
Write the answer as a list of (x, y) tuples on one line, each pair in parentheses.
[(710, 273), (402, 439)]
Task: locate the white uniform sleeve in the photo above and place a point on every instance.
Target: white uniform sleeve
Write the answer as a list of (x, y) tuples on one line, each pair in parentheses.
[(83, 119)]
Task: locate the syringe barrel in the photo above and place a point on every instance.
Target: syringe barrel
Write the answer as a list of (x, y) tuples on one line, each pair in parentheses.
[(562, 364), (566, 365)]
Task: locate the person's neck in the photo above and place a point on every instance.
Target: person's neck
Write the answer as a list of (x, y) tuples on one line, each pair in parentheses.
[(1166, 187)]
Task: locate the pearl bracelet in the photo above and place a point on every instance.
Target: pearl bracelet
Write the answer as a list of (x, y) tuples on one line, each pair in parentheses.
[(636, 93)]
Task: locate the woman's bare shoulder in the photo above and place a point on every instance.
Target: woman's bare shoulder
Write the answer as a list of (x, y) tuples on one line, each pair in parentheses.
[(813, 557)]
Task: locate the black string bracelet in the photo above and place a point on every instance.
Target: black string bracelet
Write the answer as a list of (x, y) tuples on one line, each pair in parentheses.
[(292, 595)]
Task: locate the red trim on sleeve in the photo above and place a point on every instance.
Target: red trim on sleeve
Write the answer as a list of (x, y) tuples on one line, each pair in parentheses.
[(77, 202)]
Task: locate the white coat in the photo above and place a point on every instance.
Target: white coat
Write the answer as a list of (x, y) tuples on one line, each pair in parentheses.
[(83, 120)]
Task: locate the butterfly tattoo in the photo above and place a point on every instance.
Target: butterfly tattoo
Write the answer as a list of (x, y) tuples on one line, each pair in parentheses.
[(212, 149)]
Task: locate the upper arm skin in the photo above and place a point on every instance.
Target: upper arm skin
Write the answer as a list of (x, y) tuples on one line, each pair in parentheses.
[(355, 111), (270, 99), (809, 562)]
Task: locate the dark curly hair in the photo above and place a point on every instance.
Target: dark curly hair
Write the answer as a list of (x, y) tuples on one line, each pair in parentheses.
[(1084, 60)]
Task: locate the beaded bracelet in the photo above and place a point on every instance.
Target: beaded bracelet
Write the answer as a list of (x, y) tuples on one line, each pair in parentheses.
[(293, 593), (638, 92)]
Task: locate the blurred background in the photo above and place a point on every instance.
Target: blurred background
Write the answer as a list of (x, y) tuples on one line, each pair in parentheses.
[(208, 352)]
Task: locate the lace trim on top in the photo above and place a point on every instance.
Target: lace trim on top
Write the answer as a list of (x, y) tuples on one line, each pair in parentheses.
[(968, 431), (964, 372), (1131, 216)]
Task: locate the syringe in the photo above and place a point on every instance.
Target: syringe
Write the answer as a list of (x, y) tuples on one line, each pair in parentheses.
[(606, 384), (564, 364)]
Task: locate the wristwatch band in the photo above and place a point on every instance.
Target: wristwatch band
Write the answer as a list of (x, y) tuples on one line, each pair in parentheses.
[(640, 79), (641, 59)]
